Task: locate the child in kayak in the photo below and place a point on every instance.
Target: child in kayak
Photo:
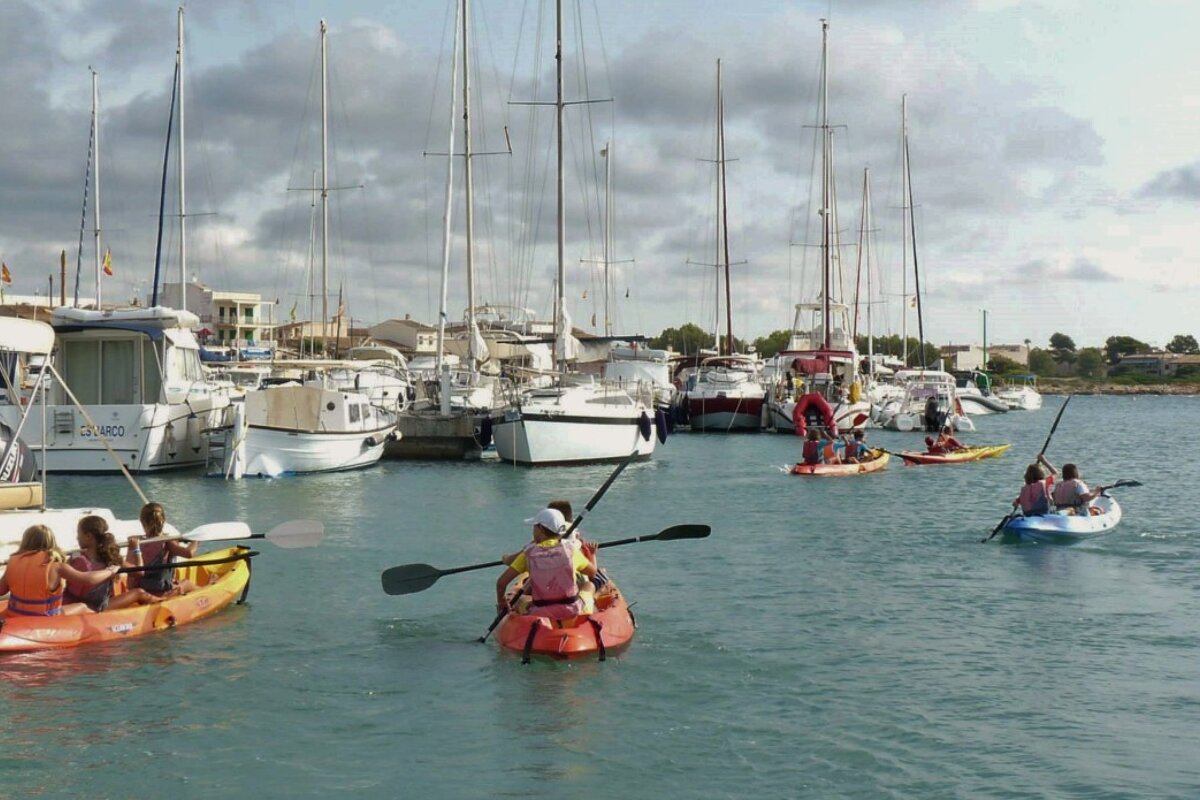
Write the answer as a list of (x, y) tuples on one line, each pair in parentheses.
[(812, 448), (1073, 494), (945, 443), (554, 568), (587, 548), (159, 582), (856, 448), (98, 551), (37, 574), (1035, 498)]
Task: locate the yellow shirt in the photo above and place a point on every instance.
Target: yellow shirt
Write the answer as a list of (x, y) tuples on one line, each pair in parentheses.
[(578, 559)]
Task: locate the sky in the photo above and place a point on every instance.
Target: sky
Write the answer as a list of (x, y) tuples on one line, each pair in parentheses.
[(1054, 156)]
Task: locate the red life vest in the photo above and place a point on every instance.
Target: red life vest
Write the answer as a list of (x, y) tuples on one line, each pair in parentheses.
[(28, 596), (812, 452)]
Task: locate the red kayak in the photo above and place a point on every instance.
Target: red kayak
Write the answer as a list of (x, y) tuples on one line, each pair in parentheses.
[(608, 630)]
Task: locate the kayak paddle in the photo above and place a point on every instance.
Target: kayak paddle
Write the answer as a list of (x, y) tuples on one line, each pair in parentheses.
[(289, 535), (413, 578), (194, 563)]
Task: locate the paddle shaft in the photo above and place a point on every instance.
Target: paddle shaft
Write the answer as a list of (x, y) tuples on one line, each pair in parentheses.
[(197, 563)]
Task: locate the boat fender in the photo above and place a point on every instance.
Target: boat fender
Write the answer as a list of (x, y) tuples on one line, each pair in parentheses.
[(672, 412), (855, 392), (483, 432), (660, 425), (644, 426)]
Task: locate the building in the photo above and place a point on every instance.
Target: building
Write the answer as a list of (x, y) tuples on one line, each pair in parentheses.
[(970, 356), (408, 335), (1160, 362), (233, 319)]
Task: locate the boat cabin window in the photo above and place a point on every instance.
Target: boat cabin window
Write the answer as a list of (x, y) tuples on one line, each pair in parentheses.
[(355, 412)]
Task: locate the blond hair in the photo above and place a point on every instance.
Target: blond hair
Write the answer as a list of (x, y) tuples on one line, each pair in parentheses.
[(38, 539)]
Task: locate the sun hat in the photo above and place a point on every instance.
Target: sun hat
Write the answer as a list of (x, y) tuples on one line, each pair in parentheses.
[(550, 519)]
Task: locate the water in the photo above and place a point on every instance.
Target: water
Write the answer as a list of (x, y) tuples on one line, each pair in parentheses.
[(833, 638)]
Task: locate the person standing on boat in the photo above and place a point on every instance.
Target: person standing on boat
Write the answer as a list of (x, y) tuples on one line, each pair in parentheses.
[(1035, 498), (159, 582), (98, 551), (1073, 494), (554, 569), (36, 577), (933, 415)]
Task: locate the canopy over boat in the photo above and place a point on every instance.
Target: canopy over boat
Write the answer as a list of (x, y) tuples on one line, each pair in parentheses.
[(25, 336)]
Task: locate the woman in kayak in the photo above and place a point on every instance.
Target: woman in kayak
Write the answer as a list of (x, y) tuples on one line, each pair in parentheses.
[(1073, 494), (555, 569), (159, 582), (1035, 498), (946, 443), (37, 575), (98, 551)]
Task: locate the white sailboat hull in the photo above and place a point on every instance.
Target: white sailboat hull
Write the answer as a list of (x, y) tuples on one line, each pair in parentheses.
[(270, 453)]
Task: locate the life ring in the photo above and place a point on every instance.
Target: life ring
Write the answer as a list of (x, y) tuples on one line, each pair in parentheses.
[(812, 401)]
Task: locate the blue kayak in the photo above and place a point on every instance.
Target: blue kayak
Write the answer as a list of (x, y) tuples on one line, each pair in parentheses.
[(1061, 527)]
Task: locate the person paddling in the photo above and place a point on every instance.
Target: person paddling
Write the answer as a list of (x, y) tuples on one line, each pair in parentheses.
[(856, 448), (813, 454), (1073, 494), (1035, 498), (558, 573), (600, 579), (37, 574), (159, 582), (946, 443), (98, 551)]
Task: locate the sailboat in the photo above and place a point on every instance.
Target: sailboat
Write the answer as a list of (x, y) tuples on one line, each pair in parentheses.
[(132, 388), (816, 376), (455, 421), (315, 426), (722, 391), (930, 399), (576, 420)]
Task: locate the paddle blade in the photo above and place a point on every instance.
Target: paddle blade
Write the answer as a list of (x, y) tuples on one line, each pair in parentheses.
[(683, 532), (409, 578), (219, 532), (296, 533)]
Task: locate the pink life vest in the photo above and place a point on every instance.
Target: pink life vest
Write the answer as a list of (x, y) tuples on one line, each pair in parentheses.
[(1066, 494), (1035, 498), (552, 580)]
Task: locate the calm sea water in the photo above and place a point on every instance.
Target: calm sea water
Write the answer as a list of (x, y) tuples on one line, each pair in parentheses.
[(838, 638)]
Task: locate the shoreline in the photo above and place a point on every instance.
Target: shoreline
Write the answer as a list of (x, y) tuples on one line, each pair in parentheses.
[(1104, 388)]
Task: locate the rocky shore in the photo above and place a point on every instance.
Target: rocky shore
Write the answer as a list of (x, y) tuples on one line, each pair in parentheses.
[(1101, 387)]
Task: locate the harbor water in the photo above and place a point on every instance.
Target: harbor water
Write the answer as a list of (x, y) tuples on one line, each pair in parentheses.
[(832, 638)]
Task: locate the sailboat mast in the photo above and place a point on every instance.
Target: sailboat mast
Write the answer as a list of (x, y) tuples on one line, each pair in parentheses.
[(826, 178), (724, 210), (182, 175), (866, 247), (905, 211), (916, 268), (449, 207), (472, 337), (324, 193), (717, 225), (96, 145), (608, 209), (559, 105)]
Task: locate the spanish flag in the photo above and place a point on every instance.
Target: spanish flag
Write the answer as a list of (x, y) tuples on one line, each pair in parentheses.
[(108, 262), (5, 275)]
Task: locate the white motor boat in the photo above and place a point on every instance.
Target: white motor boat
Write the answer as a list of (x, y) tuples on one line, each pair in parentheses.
[(1024, 397), (293, 429), (143, 396), (929, 402)]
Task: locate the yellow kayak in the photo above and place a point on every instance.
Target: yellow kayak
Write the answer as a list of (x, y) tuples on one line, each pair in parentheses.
[(954, 456), (878, 461)]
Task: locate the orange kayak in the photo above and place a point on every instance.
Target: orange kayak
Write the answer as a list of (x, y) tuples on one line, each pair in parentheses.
[(879, 460), (217, 585), (608, 630)]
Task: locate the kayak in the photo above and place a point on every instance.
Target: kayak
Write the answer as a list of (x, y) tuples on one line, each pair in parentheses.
[(217, 585), (1063, 528), (879, 460), (609, 629), (954, 456)]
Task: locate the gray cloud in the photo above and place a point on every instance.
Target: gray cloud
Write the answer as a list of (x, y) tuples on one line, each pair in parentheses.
[(1180, 183)]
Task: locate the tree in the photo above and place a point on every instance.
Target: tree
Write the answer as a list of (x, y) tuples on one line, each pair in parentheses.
[(1183, 343), (1060, 341), (772, 343), (687, 338), (1002, 365), (1090, 363), (1117, 346), (1041, 362)]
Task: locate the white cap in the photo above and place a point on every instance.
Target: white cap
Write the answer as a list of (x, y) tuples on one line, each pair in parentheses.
[(550, 519)]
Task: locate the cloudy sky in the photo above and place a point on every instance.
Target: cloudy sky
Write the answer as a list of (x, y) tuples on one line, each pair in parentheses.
[(1055, 152)]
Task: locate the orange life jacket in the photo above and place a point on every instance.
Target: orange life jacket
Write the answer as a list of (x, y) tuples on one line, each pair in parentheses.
[(28, 596)]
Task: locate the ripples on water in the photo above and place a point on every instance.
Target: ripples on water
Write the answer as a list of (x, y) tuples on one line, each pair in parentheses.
[(832, 639)]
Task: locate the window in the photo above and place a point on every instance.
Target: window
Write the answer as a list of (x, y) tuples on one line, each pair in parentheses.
[(81, 369), (221, 312), (249, 313), (118, 374), (355, 415), (151, 373)]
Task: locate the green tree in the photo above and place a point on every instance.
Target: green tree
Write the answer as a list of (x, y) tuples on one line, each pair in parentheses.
[(1183, 343), (1002, 365), (772, 343), (1060, 341), (1041, 362), (687, 338), (1117, 346), (1090, 363)]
